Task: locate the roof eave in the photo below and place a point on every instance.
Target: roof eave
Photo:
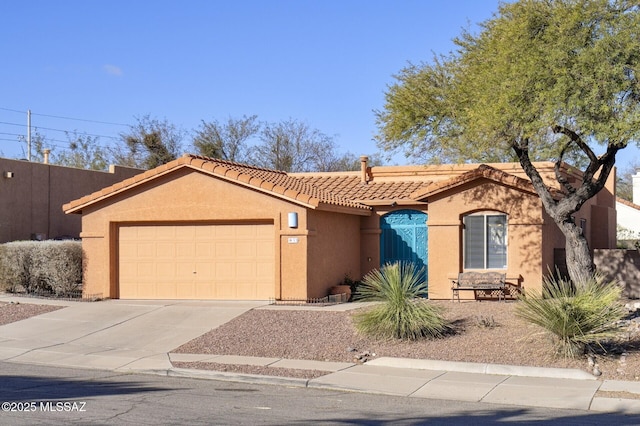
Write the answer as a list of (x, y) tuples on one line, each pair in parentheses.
[(359, 211)]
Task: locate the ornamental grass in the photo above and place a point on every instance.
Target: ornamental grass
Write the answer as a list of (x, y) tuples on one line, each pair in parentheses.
[(403, 311), (576, 316)]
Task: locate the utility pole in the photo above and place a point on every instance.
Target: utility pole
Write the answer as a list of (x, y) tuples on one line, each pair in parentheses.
[(28, 135)]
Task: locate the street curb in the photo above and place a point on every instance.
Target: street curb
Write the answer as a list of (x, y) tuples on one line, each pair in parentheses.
[(615, 405), (482, 368), (236, 377)]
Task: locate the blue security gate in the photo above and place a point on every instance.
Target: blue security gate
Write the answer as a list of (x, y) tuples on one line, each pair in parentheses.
[(404, 238)]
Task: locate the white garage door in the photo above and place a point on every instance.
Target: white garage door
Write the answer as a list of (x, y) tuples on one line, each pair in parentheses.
[(233, 262)]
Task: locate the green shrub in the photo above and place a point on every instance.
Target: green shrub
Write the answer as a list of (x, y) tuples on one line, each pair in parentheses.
[(402, 313), (576, 316), (35, 266)]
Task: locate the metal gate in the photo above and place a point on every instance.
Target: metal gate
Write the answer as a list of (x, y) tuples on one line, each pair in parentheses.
[(404, 238)]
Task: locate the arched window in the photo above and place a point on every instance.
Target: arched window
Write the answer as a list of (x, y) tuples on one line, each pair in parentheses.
[(485, 240)]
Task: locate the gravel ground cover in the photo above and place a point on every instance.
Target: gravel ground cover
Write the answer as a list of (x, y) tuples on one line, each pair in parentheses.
[(487, 332), (484, 332), (12, 312)]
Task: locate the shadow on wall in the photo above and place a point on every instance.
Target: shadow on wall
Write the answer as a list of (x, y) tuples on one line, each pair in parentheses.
[(621, 265)]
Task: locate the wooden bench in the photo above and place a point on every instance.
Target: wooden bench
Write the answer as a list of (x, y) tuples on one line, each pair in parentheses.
[(479, 282)]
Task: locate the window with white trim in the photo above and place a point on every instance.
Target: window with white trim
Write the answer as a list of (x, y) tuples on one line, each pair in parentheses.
[(485, 240)]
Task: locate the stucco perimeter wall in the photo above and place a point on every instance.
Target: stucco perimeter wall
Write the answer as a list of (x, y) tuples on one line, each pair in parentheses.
[(32, 198), (189, 196), (525, 232), (622, 266), (334, 250)]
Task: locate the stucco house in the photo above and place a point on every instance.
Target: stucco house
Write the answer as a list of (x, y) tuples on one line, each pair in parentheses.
[(629, 214), (201, 228), (32, 193)]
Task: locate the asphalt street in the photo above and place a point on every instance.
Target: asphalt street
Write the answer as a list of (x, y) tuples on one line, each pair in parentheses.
[(35, 395)]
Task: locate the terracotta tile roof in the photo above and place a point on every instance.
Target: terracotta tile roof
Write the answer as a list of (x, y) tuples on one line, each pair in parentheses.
[(482, 171), (627, 203), (350, 186), (322, 190), (275, 182)]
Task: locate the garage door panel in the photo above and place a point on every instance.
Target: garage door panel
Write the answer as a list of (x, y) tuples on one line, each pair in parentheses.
[(247, 249), (226, 290), (185, 249), (203, 250), (197, 262), (167, 270), (165, 249), (223, 271), (224, 249), (147, 250), (246, 271)]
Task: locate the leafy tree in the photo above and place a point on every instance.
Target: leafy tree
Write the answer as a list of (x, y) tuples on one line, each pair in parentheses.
[(292, 146), (226, 140), (83, 153), (149, 143), (542, 80)]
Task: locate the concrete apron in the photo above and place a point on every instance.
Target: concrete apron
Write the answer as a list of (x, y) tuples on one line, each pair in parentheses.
[(113, 334)]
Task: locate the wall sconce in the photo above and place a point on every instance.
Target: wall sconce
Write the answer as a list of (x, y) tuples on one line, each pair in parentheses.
[(293, 220), (8, 175)]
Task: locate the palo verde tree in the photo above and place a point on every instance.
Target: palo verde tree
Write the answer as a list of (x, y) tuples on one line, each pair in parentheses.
[(541, 80)]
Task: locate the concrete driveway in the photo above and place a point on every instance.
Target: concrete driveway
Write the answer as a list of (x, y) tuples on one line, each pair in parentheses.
[(113, 334)]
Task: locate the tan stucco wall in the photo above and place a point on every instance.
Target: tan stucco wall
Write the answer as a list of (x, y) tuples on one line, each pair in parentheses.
[(186, 195), (334, 251), (525, 232), (32, 199), (622, 266)]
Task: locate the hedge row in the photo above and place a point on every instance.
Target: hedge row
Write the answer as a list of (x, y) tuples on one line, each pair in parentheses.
[(41, 266)]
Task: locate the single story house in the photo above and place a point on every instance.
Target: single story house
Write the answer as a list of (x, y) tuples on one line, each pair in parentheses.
[(32, 194), (202, 228), (629, 215)]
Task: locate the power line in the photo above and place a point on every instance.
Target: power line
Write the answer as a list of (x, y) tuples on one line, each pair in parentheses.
[(61, 130), (81, 119), (72, 132), (13, 124), (66, 118), (12, 110)]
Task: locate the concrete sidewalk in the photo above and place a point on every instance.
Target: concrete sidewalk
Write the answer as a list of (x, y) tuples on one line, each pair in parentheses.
[(138, 336), (459, 381)]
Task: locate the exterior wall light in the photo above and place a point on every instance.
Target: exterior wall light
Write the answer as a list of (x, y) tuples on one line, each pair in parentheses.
[(8, 175), (293, 220)]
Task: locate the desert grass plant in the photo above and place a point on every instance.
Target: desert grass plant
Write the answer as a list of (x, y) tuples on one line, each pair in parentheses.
[(577, 316), (403, 312)]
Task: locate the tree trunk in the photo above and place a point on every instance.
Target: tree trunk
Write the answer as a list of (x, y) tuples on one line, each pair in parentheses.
[(561, 207), (580, 265)]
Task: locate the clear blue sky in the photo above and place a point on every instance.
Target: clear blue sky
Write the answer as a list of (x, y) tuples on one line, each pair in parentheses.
[(324, 62)]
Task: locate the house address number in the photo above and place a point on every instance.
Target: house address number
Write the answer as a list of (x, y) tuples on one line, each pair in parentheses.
[(292, 240)]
